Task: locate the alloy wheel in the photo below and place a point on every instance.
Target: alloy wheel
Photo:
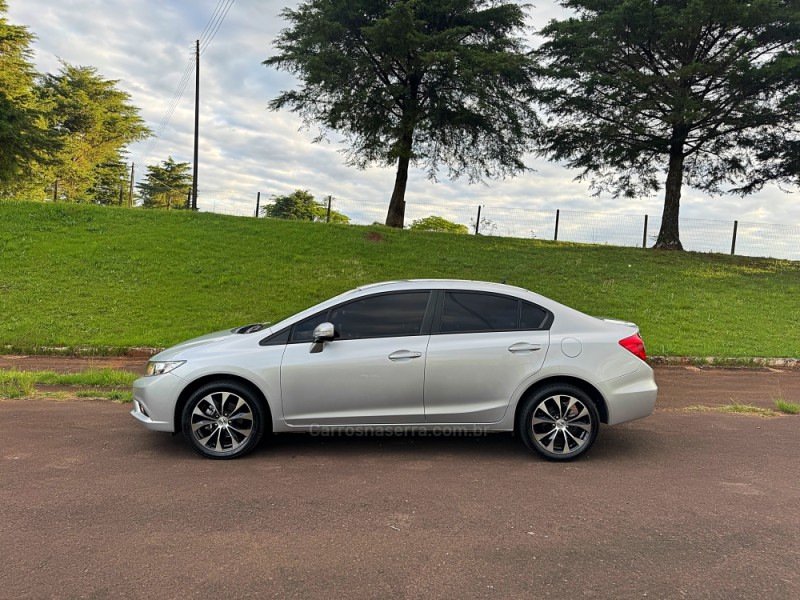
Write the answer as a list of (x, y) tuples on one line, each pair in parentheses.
[(222, 422), (561, 424)]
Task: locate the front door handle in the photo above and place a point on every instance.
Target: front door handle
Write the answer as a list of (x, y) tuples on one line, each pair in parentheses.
[(524, 348), (404, 355)]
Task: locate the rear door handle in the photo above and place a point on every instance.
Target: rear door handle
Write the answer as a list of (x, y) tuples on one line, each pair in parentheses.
[(404, 355), (524, 348)]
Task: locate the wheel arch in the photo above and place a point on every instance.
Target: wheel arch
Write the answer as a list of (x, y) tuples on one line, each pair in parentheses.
[(585, 386), (193, 386)]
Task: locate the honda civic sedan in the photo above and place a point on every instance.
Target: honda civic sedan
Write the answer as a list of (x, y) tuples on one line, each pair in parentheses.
[(422, 355)]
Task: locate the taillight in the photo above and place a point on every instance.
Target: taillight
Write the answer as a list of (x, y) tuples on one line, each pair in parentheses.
[(634, 345)]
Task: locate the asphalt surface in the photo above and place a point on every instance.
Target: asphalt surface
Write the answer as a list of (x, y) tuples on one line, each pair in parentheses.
[(679, 505)]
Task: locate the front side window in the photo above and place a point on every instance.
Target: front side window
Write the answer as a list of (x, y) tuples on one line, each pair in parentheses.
[(304, 330), (387, 315), (277, 339)]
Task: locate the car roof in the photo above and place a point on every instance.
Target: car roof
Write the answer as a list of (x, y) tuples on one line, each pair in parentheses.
[(462, 284)]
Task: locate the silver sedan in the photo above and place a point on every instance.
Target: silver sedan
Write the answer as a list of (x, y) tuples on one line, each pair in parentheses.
[(433, 356)]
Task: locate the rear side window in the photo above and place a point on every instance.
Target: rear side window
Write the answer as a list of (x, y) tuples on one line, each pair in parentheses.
[(532, 316), (464, 312), (387, 315)]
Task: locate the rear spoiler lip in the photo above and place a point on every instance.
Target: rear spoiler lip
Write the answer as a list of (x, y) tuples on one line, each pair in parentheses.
[(619, 322)]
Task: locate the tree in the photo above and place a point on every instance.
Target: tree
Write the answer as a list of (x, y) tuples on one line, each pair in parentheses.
[(444, 82), (23, 135), (297, 206), (334, 216), (166, 185), (94, 122), (434, 223), (301, 206), (699, 89), (110, 183)]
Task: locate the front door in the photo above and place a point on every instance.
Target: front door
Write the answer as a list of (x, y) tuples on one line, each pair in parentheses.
[(372, 373)]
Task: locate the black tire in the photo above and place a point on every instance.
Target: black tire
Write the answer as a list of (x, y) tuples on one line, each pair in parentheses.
[(223, 419), (559, 422)]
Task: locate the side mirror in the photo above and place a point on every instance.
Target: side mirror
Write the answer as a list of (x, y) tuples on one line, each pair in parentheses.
[(323, 332)]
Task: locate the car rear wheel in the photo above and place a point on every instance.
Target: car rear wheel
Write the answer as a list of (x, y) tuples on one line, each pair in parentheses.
[(559, 422), (223, 420)]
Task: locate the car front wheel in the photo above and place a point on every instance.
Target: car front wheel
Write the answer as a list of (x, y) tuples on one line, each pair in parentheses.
[(223, 420), (559, 422)]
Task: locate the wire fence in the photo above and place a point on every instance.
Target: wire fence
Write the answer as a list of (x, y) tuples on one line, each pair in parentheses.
[(699, 235)]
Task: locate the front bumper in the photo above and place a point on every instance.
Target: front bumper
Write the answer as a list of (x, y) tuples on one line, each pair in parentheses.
[(154, 400)]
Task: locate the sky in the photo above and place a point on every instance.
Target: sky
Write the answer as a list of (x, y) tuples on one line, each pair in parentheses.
[(245, 148)]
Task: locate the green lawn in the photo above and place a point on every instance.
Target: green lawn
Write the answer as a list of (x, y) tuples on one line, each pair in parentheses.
[(75, 275), (16, 384)]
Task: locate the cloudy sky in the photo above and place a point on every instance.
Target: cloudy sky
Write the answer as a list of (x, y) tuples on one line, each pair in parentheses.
[(244, 148)]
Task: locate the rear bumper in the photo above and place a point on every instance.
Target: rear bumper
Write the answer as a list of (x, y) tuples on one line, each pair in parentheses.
[(631, 396), (154, 400)]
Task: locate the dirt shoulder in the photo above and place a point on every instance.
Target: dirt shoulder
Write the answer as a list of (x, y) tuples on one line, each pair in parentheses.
[(71, 364)]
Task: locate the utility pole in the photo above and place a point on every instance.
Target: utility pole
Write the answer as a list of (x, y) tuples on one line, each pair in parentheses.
[(130, 189), (196, 121)]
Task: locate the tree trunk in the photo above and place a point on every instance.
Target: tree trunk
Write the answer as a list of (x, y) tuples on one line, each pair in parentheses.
[(395, 217), (397, 205), (669, 236)]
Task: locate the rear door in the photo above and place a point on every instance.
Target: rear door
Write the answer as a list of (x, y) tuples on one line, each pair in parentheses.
[(483, 345)]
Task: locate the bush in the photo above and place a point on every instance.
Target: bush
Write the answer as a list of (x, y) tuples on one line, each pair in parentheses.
[(301, 206), (434, 223)]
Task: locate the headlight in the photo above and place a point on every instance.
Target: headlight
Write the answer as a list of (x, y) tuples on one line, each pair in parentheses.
[(159, 368)]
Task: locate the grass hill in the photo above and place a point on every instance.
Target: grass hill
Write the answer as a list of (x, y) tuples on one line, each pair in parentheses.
[(74, 275)]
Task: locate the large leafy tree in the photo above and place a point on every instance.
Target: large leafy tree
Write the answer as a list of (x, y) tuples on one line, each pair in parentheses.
[(94, 122), (430, 83), (23, 136), (703, 92), (166, 185)]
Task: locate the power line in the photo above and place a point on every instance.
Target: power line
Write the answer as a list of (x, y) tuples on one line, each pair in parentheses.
[(209, 32), (176, 97), (213, 33), (211, 19)]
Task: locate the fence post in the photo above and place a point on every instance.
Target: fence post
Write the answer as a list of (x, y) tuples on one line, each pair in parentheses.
[(644, 235), (555, 235), (478, 221), (733, 242), (328, 216), (258, 202)]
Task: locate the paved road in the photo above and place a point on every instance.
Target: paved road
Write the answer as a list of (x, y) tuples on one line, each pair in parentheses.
[(679, 505)]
